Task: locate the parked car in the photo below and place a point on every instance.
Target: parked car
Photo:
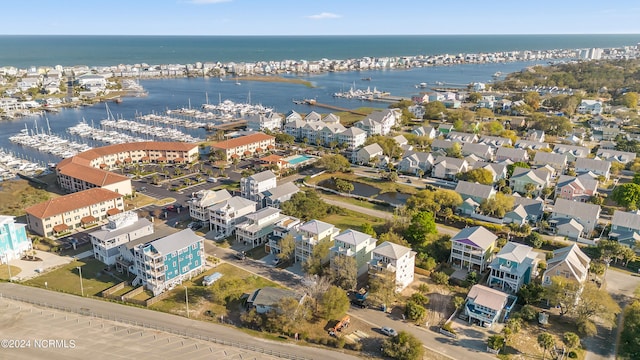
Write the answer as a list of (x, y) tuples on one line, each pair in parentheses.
[(212, 180), (388, 331), (240, 255), (360, 304)]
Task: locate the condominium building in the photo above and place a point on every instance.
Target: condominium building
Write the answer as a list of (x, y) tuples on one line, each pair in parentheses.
[(245, 146), (13, 239), (73, 211)]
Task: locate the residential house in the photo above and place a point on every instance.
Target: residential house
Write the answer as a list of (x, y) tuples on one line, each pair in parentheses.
[(267, 298), (495, 141), (353, 244), (245, 146), (13, 239), (202, 200), (258, 226), (531, 145), (462, 137), (580, 188), (625, 227), (557, 161), (568, 262), (416, 163), (593, 107), (309, 235), (330, 134), (277, 195), (573, 152), (447, 167), (512, 154), (567, 215), (595, 166), (428, 131), (514, 265), (396, 259), (614, 155), (442, 146), (379, 122), (445, 129), (73, 211), (369, 126), (252, 186), (535, 135), (486, 306), (224, 215), (482, 151), (366, 154), (401, 140), (331, 119), (165, 263), (473, 194), (353, 137), (525, 211), (539, 178), (292, 115), (312, 117), (264, 121), (498, 171), (287, 225), (121, 229), (472, 248)]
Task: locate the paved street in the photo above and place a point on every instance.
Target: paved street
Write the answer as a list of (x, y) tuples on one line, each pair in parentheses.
[(97, 310)]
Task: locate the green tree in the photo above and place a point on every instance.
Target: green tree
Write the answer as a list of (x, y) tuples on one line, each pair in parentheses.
[(305, 205), (474, 97), (434, 110), (382, 287), (535, 239), (440, 278), (393, 237), (516, 164), (562, 292), (532, 98), (415, 311), (479, 175), (485, 113), (630, 335), (596, 302), (531, 293), (344, 186), (367, 228), (334, 163), (344, 273), (458, 302), (335, 303), (630, 100), (287, 247), (496, 342), (627, 195), (282, 138), (315, 263), (422, 224), (572, 340), (455, 151), (546, 341), (404, 346), (497, 205)]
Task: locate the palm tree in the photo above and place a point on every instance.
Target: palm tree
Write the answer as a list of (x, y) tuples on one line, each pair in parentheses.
[(545, 340)]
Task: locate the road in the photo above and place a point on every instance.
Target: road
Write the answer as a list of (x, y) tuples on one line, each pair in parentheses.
[(162, 321)]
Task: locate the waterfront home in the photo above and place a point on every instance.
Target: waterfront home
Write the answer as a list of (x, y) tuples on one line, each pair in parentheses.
[(258, 226), (292, 115), (277, 195), (245, 146), (625, 227), (353, 137), (512, 154), (270, 121), (329, 134), (267, 298), (309, 235), (416, 163), (447, 167), (202, 200), (580, 188), (379, 122), (224, 215), (331, 119), (121, 229), (165, 263), (427, 131), (485, 306), (593, 107), (252, 186), (557, 161), (472, 248), (417, 111), (395, 259), (574, 219), (482, 151), (521, 177), (573, 152), (73, 211), (462, 137), (367, 154), (594, 166), (531, 145), (351, 243), (614, 155), (313, 117), (568, 262), (13, 239), (514, 265)]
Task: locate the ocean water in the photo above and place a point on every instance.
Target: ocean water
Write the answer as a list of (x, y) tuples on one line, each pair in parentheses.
[(26, 50)]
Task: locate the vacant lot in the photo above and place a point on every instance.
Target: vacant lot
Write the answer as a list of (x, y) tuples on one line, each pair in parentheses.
[(67, 279), (16, 195)]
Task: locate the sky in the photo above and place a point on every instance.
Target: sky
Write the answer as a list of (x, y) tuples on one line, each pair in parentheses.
[(318, 17)]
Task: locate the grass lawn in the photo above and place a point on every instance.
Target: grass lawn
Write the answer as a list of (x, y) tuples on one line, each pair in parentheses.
[(385, 186), (352, 220), (347, 118), (141, 200), (361, 203), (66, 279), (4, 271), (257, 253), (165, 201)]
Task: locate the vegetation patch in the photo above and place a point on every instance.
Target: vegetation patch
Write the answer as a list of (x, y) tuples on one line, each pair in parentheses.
[(67, 279), (17, 195)]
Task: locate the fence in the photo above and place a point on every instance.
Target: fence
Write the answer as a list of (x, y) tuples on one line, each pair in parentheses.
[(87, 312), (108, 294)]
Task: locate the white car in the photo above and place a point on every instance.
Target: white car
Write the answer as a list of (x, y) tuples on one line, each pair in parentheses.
[(388, 331)]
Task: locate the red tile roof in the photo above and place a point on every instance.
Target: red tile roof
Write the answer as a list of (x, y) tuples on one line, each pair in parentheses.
[(60, 228), (241, 141), (71, 202)]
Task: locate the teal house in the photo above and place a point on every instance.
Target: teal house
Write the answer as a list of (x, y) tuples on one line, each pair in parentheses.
[(165, 263), (515, 265), (13, 239)]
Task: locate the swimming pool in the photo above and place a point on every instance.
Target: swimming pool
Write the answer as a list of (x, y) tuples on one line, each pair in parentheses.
[(297, 159)]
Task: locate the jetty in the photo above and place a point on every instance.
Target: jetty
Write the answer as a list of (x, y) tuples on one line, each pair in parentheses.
[(313, 102)]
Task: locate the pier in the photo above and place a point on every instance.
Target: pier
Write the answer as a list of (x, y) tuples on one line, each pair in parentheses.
[(313, 102)]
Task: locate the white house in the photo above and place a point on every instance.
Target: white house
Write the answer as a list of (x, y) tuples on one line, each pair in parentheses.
[(396, 259), (252, 186), (593, 107), (309, 235), (367, 153), (353, 244), (224, 215), (121, 228), (202, 200)]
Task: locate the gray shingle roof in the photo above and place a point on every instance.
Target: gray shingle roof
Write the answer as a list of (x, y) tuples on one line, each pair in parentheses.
[(576, 209), (625, 219), (391, 250), (177, 241), (262, 176), (352, 237), (593, 164), (473, 189), (478, 235)]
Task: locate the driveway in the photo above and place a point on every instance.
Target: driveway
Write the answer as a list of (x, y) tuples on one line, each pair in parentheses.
[(32, 269)]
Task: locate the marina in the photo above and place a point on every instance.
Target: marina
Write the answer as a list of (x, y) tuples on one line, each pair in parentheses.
[(47, 142), (157, 132), (87, 131), (12, 165)]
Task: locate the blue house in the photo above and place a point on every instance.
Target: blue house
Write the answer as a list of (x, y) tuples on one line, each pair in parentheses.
[(13, 239), (514, 266), (164, 263)]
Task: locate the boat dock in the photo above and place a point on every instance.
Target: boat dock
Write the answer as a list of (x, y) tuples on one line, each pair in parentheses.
[(312, 102)]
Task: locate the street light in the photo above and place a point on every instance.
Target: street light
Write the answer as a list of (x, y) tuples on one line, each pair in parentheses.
[(6, 255), (186, 298), (81, 287)]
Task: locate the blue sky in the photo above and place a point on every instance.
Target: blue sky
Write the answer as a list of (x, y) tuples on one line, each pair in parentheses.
[(318, 17)]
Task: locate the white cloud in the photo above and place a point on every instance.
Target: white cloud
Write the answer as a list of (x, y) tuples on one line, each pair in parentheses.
[(324, 15), (199, 2)]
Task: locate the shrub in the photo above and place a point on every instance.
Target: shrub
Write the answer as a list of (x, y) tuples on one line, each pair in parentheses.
[(448, 327), (587, 327), (440, 278), (528, 313)]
